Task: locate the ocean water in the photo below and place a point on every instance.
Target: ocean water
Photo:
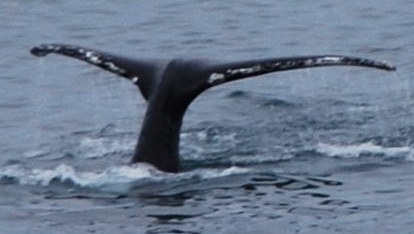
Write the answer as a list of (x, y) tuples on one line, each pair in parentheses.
[(324, 150)]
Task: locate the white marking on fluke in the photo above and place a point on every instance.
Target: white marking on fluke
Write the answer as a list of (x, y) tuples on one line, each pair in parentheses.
[(332, 59), (93, 58), (111, 66), (216, 78), (245, 70), (135, 79)]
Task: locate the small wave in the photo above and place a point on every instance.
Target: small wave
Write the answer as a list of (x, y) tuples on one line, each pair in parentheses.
[(86, 148), (99, 147), (117, 176), (368, 148), (209, 174), (116, 179), (260, 159)]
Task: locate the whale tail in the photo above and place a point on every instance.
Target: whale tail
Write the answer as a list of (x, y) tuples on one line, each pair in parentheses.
[(170, 86)]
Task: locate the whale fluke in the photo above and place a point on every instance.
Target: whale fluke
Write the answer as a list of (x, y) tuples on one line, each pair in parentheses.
[(141, 73), (170, 86)]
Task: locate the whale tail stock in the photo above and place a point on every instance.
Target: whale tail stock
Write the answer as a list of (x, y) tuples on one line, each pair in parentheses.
[(170, 86)]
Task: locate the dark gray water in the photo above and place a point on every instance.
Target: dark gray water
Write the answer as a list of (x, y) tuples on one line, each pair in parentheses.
[(327, 150)]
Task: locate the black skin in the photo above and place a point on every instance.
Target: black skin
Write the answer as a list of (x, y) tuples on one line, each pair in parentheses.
[(170, 86)]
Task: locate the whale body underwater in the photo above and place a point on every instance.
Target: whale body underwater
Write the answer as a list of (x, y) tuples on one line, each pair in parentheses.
[(169, 86)]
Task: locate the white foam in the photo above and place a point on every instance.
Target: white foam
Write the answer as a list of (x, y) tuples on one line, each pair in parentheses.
[(117, 178), (368, 148), (209, 174)]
